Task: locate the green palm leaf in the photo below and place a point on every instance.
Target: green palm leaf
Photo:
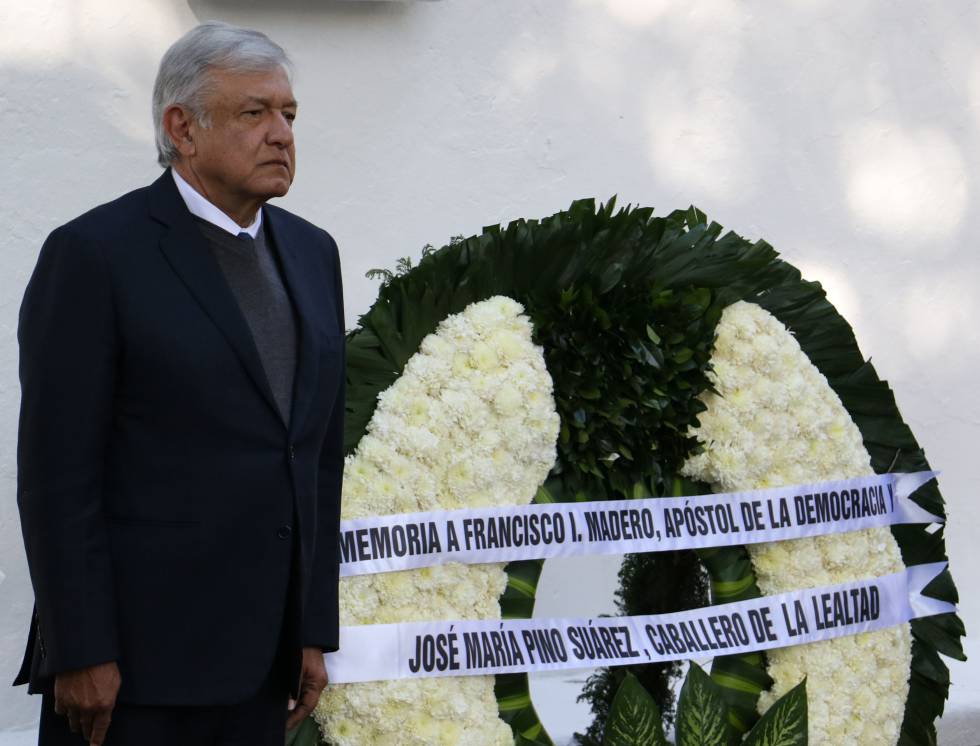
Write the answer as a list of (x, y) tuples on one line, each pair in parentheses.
[(516, 709)]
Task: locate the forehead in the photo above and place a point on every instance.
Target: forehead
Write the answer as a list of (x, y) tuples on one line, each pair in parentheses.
[(234, 87)]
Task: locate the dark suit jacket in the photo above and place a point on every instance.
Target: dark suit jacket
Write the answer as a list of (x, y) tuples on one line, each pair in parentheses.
[(160, 492)]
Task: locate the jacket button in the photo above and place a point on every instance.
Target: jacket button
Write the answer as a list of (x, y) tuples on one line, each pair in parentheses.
[(292, 452), (284, 532)]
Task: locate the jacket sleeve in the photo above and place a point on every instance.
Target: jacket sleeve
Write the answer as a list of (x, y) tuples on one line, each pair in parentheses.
[(68, 351), (321, 616)]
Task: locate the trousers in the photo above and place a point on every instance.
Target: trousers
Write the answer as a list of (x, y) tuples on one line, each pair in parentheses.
[(258, 721)]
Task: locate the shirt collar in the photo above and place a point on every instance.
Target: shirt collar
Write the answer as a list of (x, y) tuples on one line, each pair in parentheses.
[(204, 209)]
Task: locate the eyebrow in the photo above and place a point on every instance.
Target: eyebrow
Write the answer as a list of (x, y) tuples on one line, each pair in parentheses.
[(291, 104)]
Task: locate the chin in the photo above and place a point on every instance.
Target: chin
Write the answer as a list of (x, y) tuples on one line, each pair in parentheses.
[(277, 188)]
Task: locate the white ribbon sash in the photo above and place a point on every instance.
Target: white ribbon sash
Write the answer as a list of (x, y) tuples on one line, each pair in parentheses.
[(472, 648), (481, 535)]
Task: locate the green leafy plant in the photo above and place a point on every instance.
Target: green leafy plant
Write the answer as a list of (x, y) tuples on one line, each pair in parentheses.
[(658, 583), (624, 304), (785, 723), (702, 716), (635, 719), (628, 365)]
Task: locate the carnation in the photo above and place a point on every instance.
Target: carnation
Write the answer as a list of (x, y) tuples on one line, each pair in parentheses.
[(470, 423), (775, 420)]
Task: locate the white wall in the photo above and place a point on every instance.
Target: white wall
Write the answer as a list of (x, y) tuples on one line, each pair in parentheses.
[(843, 133)]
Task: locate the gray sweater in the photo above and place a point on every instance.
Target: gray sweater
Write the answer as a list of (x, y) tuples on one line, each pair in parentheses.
[(252, 273)]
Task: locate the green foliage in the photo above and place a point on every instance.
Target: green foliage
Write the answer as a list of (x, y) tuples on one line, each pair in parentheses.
[(625, 305), (598, 253), (517, 600), (307, 733), (628, 363), (516, 709), (828, 340), (740, 678), (403, 266), (702, 715), (634, 719), (626, 388), (656, 583), (785, 723)]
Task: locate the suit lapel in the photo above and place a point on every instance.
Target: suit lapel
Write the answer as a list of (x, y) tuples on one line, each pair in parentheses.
[(291, 260), (187, 252)]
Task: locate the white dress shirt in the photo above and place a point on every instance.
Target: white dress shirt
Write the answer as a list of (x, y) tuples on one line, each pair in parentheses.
[(205, 210)]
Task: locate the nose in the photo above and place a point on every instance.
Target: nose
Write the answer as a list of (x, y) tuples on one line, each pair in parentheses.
[(280, 132)]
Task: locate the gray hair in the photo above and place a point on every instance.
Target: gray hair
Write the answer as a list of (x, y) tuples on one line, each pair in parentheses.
[(183, 76)]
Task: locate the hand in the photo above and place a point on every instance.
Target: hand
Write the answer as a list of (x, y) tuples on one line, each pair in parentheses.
[(312, 682), (86, 697)]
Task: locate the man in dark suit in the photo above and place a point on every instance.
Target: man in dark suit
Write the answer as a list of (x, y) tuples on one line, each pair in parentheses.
[(180, 449)]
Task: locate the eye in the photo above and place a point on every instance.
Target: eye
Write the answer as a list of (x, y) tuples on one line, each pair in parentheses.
[(252, 113), (290, 116)]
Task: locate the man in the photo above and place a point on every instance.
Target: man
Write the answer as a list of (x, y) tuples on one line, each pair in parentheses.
[(180, 449)]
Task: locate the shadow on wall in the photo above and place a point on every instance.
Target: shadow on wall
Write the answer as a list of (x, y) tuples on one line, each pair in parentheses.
[(727, 125), (837, 128), (71, 152)]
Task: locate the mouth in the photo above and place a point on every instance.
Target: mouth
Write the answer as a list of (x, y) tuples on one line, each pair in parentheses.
[(284, 164)]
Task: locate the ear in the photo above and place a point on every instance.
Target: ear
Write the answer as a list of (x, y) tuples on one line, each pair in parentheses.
[(179, 124)]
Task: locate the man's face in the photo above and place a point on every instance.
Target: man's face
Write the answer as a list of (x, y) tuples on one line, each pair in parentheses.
[(247, 154)]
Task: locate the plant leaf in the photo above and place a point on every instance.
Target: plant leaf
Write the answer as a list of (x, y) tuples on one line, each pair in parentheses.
[(561, 268), (785, 723), (634, 719), (702, 717), (307, 733)]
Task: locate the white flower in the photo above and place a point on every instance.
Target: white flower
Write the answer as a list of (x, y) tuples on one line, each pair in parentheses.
[(470, 423), (777, 421)]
